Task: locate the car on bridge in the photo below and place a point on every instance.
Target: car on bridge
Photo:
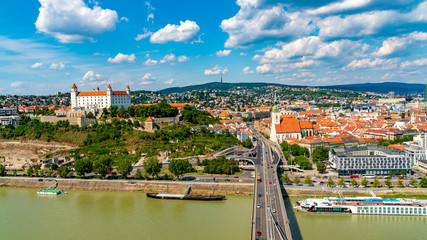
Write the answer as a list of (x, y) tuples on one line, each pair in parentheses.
[(258, 233)]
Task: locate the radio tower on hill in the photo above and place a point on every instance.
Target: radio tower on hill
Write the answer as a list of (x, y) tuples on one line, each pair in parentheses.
[(221, 78)]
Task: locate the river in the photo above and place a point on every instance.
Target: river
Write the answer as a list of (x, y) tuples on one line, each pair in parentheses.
[(119, 215), (131, 215)]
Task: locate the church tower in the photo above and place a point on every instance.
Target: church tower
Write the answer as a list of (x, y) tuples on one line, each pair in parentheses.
[(275, 113)]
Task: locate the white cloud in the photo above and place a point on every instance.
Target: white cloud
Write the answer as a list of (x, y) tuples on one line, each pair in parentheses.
[(376, 63), (92, 76), (414, 63), (73, 21), (263, 69), (124, 19), (243, 54), (252, 25), (150, 16), (119, 58), (143, 35), (247, 70), (150, 62), (183, 58), (340, 6), (184, 32), (170, 81), (147, 79), (16, 84), (37, 65), (216, 70), (223, 53), (397, 44), (168, 58), (58, 66)]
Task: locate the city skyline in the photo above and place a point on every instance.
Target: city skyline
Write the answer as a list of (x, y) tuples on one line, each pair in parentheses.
[(46, 46)]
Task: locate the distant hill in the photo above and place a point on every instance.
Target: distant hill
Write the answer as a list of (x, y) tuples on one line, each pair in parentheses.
[(216, 86), (385, 87)]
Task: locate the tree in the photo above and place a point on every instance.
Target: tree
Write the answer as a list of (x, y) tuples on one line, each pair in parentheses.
[(376, 183), (285, 179), (341, 182), (388, 182), (15, 172), (247, 143), (297, 180), (423, 182), (321, 167), (403, 172), (90, 115), (124, 167), (331, 182), (138, 174), (103, 165), (365, 182), (63, 171), (320, 154), (390, 173), (83, 166), (122, 112), (308, 181), (413, 182), (180, 166), (30, 171), (54, 167), (400, 183), (353, 183), (2, 170), (152, 166)]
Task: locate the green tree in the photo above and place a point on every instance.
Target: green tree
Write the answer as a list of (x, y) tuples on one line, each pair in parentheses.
[(2, 170), (63, 171), (320, 154), (400, 183), (341, 182), (124, 167), (30, 171), (413, 182), (308, 181), (297, 180), (365, 182), (90, 115), (353, 183), (122, 112), (15, 172), (376, 183), (83, 166), (285, 179), (103, 165), (423, 182), (388, 182), (138, 174), (331, 182), (54, 167), (247, 143), (180, 166), (321, 167), (403, 172), (152, 166)]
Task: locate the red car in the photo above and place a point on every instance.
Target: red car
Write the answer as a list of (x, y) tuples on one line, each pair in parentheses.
[(258, 233), (269, 182)]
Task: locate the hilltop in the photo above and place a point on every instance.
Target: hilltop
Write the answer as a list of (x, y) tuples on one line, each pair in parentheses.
[(385, 87)]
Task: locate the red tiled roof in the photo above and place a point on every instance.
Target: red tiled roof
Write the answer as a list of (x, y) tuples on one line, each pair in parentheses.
[(288, 125), (305, 124)]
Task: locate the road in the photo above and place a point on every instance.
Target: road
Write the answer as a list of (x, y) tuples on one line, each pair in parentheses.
[(270, 218)]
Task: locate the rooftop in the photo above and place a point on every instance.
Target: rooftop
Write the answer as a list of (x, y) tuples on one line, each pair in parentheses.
[(344, 151)]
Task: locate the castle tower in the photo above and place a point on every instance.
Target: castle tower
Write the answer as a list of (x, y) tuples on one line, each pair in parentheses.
[(73, 95), (109, 96), (128, 89)]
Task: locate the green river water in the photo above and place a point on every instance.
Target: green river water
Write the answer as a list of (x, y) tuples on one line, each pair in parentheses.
[(131, 215)]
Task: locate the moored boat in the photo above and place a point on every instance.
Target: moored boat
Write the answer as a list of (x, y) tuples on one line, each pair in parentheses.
[(186, 196)]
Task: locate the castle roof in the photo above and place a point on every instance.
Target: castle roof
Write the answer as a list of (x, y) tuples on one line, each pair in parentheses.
[(149, 119), (74, 86), (101, 93)]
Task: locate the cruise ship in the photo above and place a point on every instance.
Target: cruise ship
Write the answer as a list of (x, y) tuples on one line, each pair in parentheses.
[(364, 205)]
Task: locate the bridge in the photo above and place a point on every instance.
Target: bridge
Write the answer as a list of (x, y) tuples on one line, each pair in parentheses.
[(269, 218)]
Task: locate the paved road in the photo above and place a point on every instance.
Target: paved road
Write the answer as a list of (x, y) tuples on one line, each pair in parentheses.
[(269, 212)]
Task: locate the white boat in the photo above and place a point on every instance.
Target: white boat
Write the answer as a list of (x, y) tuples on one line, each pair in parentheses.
[(364, 205)]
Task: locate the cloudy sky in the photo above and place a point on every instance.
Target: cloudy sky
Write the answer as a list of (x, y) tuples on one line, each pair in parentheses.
[(47, 45)]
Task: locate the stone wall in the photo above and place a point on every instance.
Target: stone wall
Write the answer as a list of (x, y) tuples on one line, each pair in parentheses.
[(131, 185)]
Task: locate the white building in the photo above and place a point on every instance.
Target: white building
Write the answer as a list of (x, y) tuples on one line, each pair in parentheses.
[(368, 159), (99, 99), (417, 151)]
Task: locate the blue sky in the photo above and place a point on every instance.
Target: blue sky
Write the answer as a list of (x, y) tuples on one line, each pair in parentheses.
[(47, 45)]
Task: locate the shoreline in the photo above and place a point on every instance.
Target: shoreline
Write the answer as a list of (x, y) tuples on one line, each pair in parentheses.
[(218, 188)]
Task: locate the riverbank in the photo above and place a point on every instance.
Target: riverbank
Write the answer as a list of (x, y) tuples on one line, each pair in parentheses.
[(244, 189), (325, 191)]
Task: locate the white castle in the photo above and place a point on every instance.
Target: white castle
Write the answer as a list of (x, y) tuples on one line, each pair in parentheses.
[(99, 99)]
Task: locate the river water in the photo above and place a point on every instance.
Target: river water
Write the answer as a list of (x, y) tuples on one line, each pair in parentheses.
[(119, 215), (131, 215)]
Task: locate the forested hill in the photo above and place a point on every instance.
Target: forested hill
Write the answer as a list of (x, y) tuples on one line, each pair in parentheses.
[(385, 87), (217, 86)]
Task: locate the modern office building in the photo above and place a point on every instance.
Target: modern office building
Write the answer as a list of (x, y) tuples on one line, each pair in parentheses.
[(368, 159)]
